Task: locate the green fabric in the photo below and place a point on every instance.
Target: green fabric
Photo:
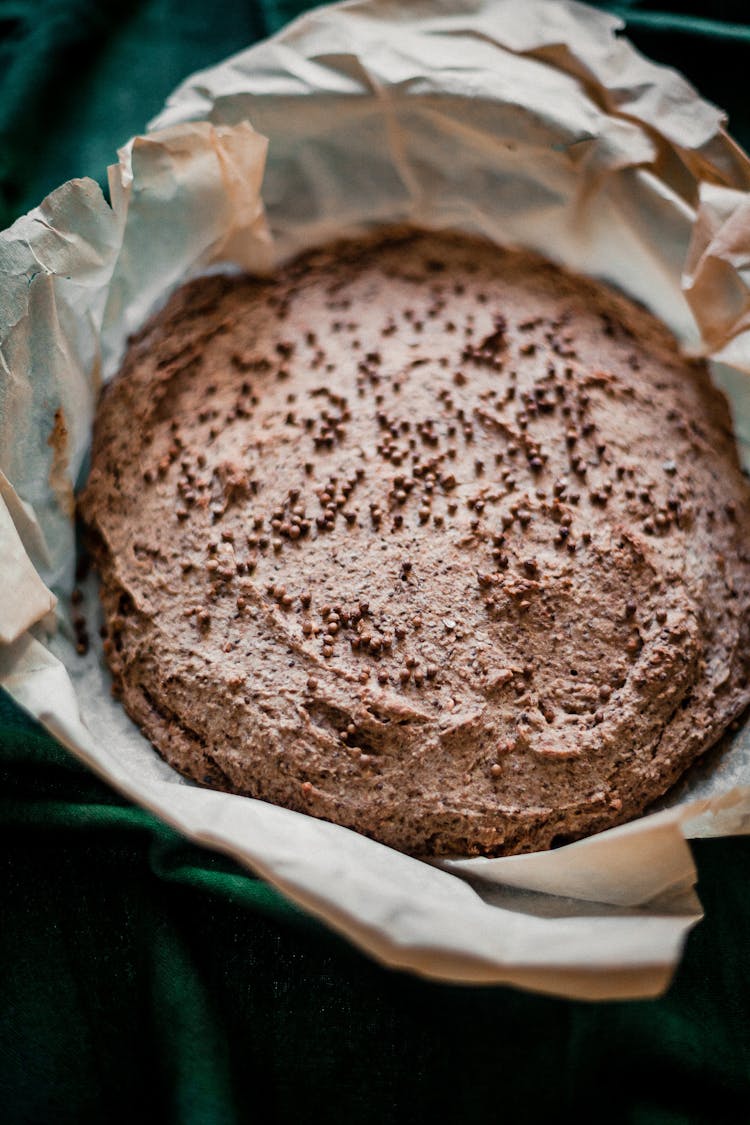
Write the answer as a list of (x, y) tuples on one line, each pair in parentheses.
[(143, 978)]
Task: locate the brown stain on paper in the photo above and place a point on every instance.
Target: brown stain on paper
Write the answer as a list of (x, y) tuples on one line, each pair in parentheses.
[(59, 480)]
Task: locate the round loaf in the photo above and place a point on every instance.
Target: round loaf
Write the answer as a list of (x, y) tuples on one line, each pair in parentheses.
[(428, 538)]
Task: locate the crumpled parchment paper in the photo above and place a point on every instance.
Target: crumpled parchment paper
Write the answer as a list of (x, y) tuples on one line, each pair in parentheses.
[(534, 124)]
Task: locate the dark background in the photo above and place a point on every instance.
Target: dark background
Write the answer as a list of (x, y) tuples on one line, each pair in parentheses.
[(144, 978)]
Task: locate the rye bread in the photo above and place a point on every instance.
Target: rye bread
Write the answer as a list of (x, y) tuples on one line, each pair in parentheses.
[(428, 538)]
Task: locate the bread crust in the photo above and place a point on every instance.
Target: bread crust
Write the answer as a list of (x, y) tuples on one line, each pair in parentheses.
[(428, 538)]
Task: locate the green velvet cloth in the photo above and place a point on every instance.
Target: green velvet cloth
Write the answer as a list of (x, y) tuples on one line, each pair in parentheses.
[(143, 978)]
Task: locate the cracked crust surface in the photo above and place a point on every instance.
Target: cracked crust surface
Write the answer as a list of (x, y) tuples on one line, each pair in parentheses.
[(424, 537)]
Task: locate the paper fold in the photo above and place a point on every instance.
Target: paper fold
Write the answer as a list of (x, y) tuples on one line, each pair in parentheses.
[(24, 599)]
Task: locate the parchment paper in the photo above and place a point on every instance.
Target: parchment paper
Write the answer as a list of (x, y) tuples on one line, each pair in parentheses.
[(534, 124)]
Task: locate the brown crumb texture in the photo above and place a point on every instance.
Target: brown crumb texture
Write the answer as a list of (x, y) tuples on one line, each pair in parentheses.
[(424, 537)]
